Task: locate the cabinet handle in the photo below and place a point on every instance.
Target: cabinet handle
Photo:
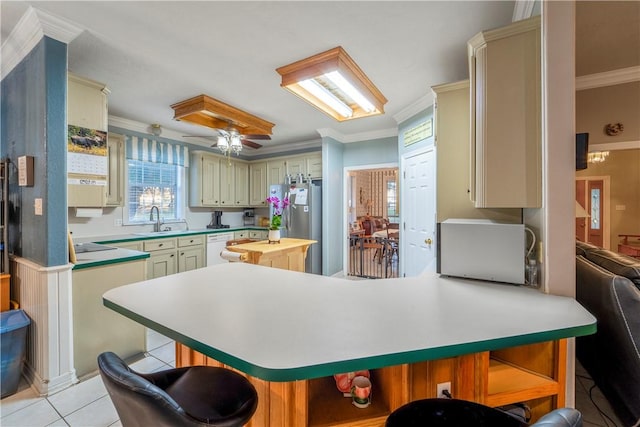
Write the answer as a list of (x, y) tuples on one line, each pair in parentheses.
[(161, 244), (181, 254), (171, 256)]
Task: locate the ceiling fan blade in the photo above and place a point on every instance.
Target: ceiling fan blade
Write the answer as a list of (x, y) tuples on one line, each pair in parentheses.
[(199, 136), (250, 143), (263, 137)]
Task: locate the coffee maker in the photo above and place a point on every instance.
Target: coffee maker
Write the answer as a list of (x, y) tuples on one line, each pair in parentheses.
[(216, 220), (248, 217)]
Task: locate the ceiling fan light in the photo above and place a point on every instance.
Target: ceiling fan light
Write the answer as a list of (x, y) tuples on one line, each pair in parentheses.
[(317, 90), (223, 144), (345, 86)]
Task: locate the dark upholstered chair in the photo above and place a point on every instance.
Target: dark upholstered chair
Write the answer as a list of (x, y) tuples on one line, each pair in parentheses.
[(458, 413), (190, 396)]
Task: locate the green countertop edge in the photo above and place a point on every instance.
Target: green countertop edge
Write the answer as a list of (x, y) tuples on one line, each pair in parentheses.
[(373, 362), (91, 264), (150, 236)]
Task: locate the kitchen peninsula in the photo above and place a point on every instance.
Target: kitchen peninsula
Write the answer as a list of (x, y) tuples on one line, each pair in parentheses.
[(289, 332)]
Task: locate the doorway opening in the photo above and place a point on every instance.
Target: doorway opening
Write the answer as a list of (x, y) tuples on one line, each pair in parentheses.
[(592, 194), (372, 221)]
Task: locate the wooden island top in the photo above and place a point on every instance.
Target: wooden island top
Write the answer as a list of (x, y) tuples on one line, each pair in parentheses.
[(289, 254)]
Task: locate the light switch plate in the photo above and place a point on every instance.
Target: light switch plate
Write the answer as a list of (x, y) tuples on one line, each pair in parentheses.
[(25, 171), (38, 206)]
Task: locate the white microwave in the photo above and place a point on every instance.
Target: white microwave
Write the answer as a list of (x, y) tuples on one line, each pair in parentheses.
[(482, 249)]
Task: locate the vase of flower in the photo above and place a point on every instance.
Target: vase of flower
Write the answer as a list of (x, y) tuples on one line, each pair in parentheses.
[(276, 217)]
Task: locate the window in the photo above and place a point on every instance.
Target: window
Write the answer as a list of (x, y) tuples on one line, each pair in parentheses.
[(155, 177), (392, 201)]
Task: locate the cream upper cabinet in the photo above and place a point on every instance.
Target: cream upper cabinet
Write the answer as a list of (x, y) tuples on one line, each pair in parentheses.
[(227, 187), (296, 166), (204, 180), (241, 184), (313, 164), (258, 188), (87, 103), (115, 179), (87, 107), (276, 172), (504, 67), (453, 155)]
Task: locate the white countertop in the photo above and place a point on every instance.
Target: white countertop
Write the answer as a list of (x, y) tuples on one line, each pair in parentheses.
[(281, 325)]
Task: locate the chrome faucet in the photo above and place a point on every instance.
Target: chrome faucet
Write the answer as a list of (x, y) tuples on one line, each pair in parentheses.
[(156, 226)]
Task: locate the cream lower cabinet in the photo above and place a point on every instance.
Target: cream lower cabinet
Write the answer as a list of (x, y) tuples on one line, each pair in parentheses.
[(506, 125), (258, 234), (163, 260), (191, 252)]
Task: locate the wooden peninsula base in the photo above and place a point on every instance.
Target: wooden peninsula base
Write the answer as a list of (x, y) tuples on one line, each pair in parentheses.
[(533, 373)]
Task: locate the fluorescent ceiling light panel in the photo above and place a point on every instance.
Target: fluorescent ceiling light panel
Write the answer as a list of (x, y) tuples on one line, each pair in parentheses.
[(333, 73), (317, 90), (348, 88)]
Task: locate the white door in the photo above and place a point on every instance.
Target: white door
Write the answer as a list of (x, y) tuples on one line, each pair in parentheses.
[(419, 212)]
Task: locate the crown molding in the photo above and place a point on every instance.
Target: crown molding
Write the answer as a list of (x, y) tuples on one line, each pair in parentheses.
[(612, 146), (523, 9), (29, 30), (412, 109), (608, 78), (357, 137)]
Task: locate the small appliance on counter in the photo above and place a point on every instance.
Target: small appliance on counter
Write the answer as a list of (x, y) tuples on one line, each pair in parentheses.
[(216, 220), (248, 217), (482, 249)]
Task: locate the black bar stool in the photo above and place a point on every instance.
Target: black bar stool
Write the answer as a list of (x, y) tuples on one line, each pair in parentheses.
[(189, 396), (461, 413)]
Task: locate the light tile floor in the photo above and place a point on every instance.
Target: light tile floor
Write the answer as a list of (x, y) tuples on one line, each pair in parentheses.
[(87, 404)]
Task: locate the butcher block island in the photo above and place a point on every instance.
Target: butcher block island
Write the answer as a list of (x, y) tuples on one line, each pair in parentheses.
[(290, 332), (288, 254)]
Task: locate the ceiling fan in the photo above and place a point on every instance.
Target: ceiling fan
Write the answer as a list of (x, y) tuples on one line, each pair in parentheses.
[(229, 133), (229, 122)]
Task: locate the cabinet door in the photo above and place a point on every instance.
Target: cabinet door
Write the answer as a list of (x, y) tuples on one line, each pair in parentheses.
[(162, 263), (243, 234), (241, 184), (115, 179), (190, 258), (204, 181), (227, 187), (258, 184), (87, 103), (296, 166), (506, 116), (314, 165), (276, 172)]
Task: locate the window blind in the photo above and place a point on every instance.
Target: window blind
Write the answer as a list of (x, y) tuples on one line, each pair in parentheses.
[(150, 150)]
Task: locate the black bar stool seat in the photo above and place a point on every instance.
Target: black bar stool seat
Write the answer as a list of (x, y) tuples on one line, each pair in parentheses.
[(189, 396), (462, 413)]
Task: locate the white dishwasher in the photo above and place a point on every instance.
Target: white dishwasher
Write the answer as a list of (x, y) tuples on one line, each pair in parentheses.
[(216, 243)]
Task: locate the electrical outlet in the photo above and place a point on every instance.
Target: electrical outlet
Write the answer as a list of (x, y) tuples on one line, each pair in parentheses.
[(441, 387)]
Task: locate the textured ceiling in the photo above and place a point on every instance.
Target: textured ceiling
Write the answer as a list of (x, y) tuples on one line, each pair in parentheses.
[(154, 54)]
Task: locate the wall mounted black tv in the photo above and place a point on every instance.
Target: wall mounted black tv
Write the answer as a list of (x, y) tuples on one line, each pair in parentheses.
[(582, 148)]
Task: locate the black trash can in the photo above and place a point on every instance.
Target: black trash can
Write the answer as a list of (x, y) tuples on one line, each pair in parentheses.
[(13, 342), (449, 413)]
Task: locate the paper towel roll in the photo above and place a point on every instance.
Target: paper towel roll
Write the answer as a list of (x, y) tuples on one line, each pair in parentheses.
[(233, 256)]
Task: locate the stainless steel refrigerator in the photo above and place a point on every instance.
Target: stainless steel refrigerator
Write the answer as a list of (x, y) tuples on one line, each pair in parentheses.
[(303, 218)]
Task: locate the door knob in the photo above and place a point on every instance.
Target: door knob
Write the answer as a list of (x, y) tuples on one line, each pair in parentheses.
[(428, 241)]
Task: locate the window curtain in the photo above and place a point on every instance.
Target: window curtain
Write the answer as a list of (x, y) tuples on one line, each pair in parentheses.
[(150, 150)]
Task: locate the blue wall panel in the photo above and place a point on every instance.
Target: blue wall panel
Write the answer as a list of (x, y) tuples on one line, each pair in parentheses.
[(33, 121)]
